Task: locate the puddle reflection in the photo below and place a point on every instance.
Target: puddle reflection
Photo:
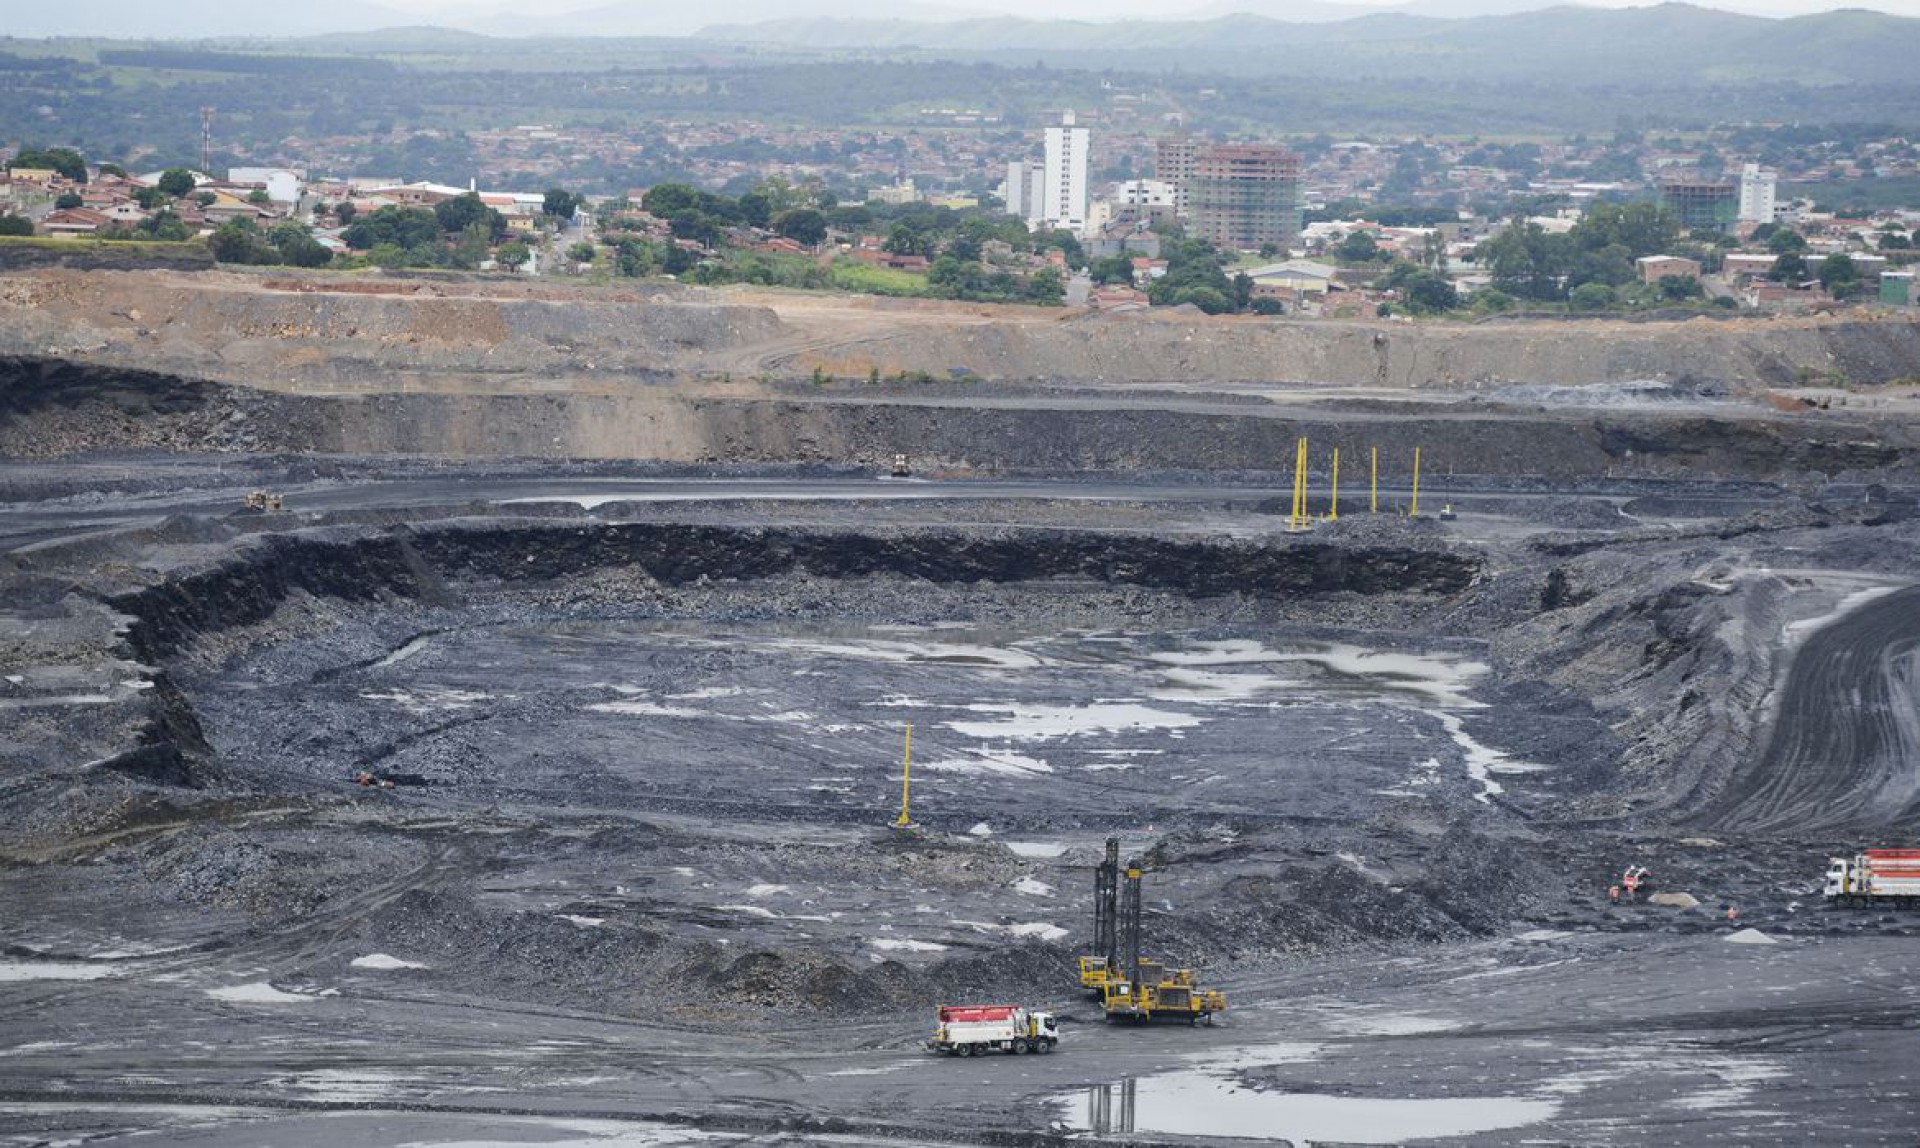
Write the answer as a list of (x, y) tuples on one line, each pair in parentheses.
[(1214, 1105)]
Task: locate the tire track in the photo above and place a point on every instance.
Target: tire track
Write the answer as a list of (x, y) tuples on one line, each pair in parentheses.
[(1843, 751)]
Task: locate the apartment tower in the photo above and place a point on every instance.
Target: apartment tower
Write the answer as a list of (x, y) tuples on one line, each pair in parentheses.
[(1245, 196)]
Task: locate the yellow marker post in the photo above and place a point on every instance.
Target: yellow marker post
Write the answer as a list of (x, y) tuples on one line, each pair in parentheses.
[(1333, 504), (1300, 485), (1415, 512), (906, 782)]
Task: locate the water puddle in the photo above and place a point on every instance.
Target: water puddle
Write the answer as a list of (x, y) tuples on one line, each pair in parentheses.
[(1209, 1104), (1034, 722), (53, 971)]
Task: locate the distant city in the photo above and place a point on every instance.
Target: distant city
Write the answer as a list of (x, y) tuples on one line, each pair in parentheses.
[(1109, 190)]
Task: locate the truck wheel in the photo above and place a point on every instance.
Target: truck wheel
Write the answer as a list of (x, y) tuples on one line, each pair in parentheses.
[(1046, 1046), (1020, 1048)]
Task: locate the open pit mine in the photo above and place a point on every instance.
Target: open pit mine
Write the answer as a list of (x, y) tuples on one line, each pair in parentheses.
[(447, 712)]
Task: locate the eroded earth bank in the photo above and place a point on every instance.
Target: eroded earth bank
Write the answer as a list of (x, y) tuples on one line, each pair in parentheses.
[(637, 644)]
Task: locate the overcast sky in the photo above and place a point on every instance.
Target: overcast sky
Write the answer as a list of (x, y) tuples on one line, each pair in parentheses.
[(1172, 9)]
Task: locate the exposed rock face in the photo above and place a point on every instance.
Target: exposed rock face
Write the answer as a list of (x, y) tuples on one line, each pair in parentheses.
[(50, 408), (393, 332)]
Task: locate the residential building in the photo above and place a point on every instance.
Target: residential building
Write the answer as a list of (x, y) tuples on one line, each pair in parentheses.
[(74, 221), (1173, 161), (1064, 194), (1246, 196), (1757, 187), (281, 185), (1654, 268), (1024, 190), (1737, 263), (1702, 206)]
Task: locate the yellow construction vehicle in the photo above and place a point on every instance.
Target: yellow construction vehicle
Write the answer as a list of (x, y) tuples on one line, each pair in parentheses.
[(262, 500), (1128, 986)]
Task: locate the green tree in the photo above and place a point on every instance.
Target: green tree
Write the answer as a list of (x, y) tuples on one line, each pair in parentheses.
[(1839, 275), (240, 241), (404, 227), (69, 163), (344, 211), (513, 254), (804, 225), (176, 182), (1526, 262), (1591, 297), (663, 201), (1112, 269), (1422, 292), (11, 224), (581, 253), (68, 200), (1679, 287), (1357, 247), (164, 226), (560, 202), (463, 211), (1047, 287), (1790, 267), (1785, 239)]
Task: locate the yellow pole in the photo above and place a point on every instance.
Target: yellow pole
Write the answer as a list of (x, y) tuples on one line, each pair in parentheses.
[(1374, 506), (1300, 485), (1415, 512), (906, 781), (1333, 505)]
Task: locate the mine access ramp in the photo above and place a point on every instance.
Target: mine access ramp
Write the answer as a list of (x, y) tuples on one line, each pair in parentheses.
[(1128, 986)]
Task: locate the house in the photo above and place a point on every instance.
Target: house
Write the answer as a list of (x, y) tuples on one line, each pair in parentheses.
[(420, 194), (916, 263), (1737, 263), (281, 185), (1117, 299), (74, 222), (1654, 268)]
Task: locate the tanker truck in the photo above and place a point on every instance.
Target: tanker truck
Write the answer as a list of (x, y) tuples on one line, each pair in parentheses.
[(975, 1030), (1875, 877)]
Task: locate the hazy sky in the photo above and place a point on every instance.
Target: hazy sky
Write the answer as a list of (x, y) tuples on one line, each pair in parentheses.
[(1167, 9)]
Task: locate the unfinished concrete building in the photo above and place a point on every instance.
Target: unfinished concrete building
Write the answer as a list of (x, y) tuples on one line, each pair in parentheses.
[(1246, 196)]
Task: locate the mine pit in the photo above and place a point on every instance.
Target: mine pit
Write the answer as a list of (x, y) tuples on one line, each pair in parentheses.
[(497, 791)]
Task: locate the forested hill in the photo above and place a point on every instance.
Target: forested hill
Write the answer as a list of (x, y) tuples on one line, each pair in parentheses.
[(1664, 44)]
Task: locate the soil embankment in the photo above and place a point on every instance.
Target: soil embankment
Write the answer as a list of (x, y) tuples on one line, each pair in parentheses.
[(394, 333)]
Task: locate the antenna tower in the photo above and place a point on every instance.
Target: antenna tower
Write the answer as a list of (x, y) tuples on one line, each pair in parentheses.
[(206, 142)]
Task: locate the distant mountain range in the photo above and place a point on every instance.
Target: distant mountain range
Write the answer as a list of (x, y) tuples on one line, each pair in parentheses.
[(1658, 45), (956, 24)]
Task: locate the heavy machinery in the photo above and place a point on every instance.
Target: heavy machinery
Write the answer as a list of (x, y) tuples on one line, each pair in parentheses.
[(262, 500), (975, 1030), (1875, 877), (1128, 986), (1104, 961)]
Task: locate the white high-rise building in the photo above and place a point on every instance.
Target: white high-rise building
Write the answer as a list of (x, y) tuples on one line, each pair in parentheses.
[(1064, 194), (1757, 194)]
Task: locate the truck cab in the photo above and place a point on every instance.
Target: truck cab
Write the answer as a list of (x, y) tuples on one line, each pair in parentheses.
[(1839, 877)]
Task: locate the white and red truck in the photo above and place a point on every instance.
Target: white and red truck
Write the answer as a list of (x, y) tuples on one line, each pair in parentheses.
[(1875, 877), (975, 1030)]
